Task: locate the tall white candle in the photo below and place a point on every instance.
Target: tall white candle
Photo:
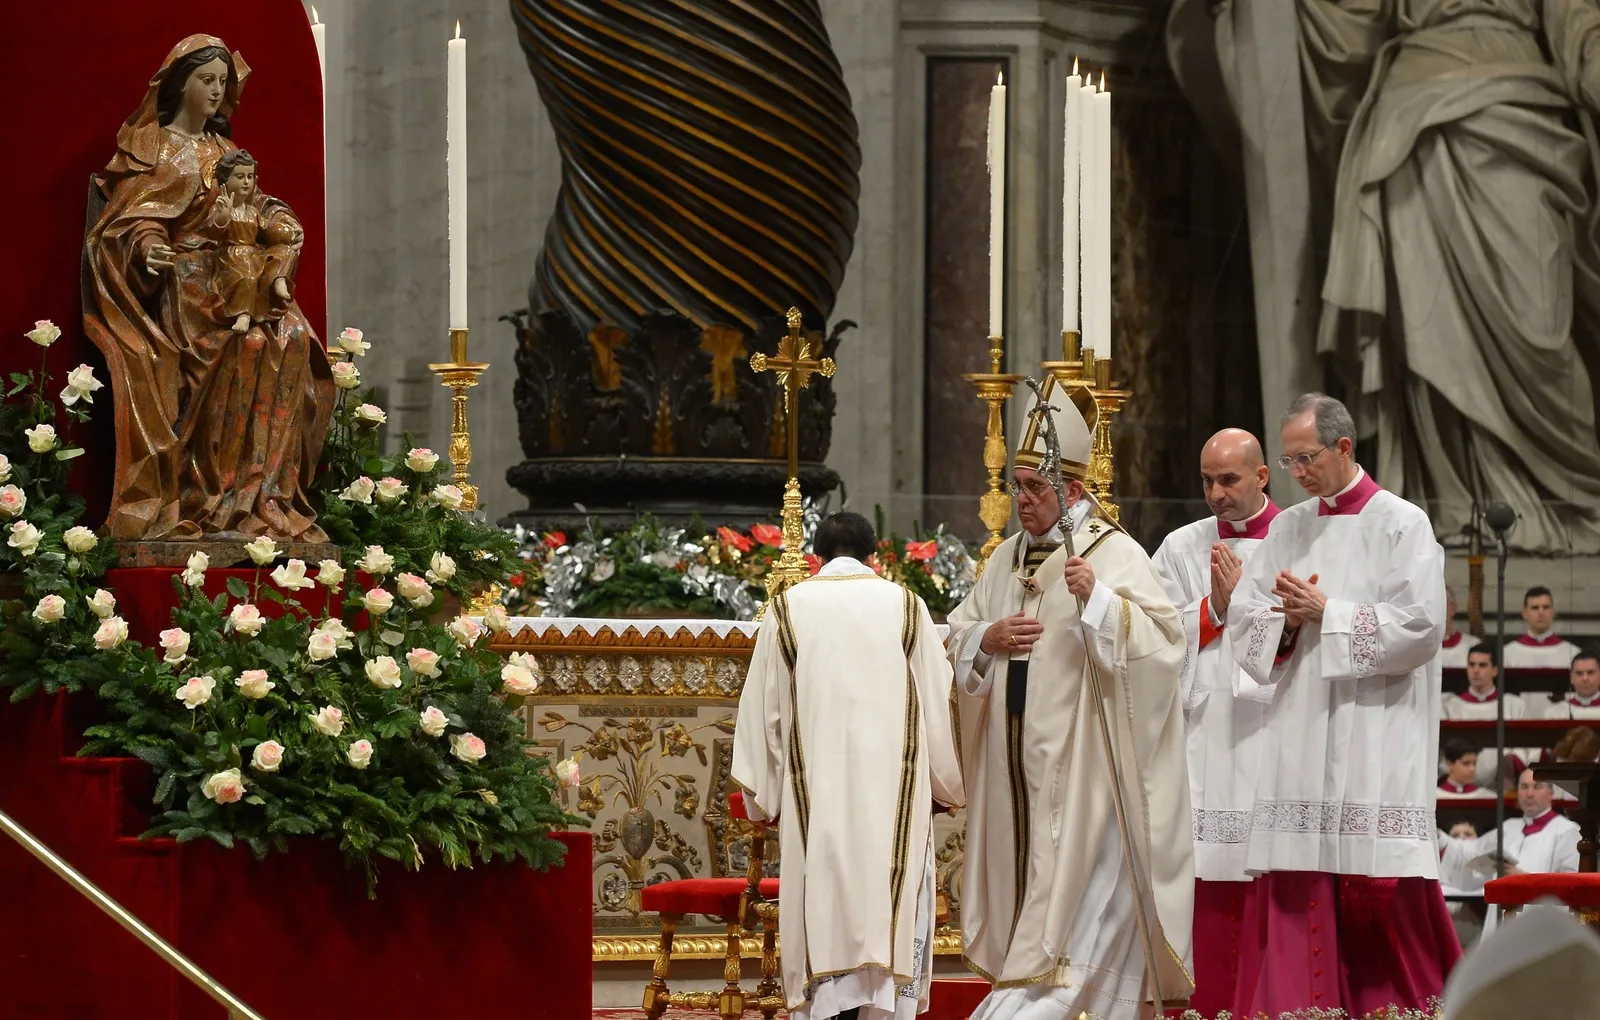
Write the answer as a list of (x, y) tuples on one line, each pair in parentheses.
[(1071, 118), (317, 36), (456, 165), (1102, 223), (997, 205), (1088, 213)]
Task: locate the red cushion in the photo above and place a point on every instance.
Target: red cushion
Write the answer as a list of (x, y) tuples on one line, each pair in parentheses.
[(718, 897), (1575, 890)]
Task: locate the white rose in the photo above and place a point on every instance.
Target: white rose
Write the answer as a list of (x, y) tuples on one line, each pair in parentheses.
[(441, 568), (330, 574), (12, 501), (342, 636), (376, 561), (175, 642), (102, 603), (196, 691), (346, 376), (604, 568), (360, 753), (391, 489), (25, 538), (433, 721), (466, 631), (80, 539), (518, 680), (525, 660), (263, 550), (329, 721), (567, 773), (322, 646), (5, 468), (495, 619), (384, 672), (467, 747), (41, 438), (292, 575), (194, 573), (349, 341), (81, 385), (414, 588), (246, 619), (447, 496), (422, 460), (267, 756), (44, 333), (371, 414), (253, 683), (377, 601), (111, 633), (359, 491), (224, 787), (423, 661), (50, 609)]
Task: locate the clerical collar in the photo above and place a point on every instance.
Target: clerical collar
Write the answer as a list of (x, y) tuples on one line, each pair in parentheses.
[(1451, 640), (844, 566), (1580, 700), (1254, 526), (1076, 515), (1450, 787), (1478, 699), (1351, 498), (1544, 640), (1533, 825)]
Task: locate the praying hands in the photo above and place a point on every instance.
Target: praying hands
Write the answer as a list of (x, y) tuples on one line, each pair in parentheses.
[(1302, 601)]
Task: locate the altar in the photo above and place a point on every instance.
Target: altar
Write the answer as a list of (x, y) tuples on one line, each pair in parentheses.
[(648, 706)]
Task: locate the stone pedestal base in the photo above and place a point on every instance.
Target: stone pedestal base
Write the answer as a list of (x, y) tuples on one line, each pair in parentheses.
[(223, 552)]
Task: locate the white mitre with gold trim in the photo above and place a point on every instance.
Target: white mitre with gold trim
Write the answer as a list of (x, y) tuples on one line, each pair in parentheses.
[(1541, 963), (1074, 414)]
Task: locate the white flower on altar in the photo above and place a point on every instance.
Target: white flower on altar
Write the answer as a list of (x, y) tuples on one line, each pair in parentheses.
[(376, 561), (422, 460), (12, 501), (111, 633), (384, 672), (346, 376), (102, 603), (41, 438), (321, 646), (360, 753), (468, 747), (518, 680), (175, 642), (25, 538), (262, 551), (267, 756), (246, 619), (433, 721), (330, 574), (44, 333), (5, 468), (371, 414), (342, 636), (253, 683), (568, 773), (495, 619), (603, 569), (466, 631), (50, 609), (390, 489), (196, 691), (525, 660), (359, 491), (329, 721), (441, 568), (377, 601), (292, 576), (350, 342), (80, 539), (448, 496), (414, 589), (226, 787), (81, 385), (423, 661), (194, 573)]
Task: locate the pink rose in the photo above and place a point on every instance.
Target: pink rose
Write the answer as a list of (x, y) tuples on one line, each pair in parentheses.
[(225, 787), (267, 756), (423, 661), (468, 747)]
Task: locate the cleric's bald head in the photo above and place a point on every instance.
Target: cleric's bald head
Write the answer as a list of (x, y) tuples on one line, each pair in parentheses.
[(1234, 474), (1235, 447)]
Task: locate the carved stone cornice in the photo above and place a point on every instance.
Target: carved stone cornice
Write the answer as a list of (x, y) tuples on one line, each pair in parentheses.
[(1126, 34)]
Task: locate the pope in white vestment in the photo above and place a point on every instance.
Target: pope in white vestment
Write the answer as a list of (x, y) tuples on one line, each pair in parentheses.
[(1066, 645), (844, 736), (1341, 610)]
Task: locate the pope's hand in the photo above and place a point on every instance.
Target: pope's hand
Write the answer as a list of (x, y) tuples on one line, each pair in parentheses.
[(1225, 571), (1011, 635), (1080, 577)]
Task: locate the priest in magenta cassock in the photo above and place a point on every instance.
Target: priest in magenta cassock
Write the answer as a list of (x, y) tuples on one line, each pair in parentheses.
[(1200, 565), (1341, 610), (1057, 908), (844, 735)]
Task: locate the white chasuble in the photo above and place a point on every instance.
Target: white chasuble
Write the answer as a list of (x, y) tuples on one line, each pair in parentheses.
[(1048, 909), (1349, 756), (1224, 708), (844, 736)]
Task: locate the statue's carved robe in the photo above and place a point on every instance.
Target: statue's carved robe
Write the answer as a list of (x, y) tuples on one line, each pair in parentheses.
[(1048, 912)]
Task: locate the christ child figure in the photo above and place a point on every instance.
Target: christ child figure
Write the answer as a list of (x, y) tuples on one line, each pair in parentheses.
[(256, 246)]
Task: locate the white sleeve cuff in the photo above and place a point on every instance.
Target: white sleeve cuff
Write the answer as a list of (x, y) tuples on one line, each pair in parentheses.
[(1211, 611), (1094, 611)]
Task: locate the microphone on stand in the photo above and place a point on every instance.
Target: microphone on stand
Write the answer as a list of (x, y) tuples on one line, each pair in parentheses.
[(1500, 518)]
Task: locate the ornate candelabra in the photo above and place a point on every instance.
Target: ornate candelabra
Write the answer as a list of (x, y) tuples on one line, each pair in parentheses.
[(459, 375), (794, 364), (1080, 369), (994, 388)]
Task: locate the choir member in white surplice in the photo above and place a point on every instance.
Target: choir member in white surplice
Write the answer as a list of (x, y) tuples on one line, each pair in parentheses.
[(1224, 708), (1341, 609), (1455, 645), (844, 735), (1541, 647), (1071, 605), (1583, 700), (1542, 841), (1480, 702)]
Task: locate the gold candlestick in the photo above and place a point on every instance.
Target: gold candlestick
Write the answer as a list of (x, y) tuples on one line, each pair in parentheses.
[(1108, 401), (994, 388), (459, 375)]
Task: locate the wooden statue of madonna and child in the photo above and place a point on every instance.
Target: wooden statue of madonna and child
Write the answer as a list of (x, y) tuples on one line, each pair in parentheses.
[(222, 390)]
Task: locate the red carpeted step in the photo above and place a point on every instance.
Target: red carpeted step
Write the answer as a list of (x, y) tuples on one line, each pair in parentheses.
[(955, 998)]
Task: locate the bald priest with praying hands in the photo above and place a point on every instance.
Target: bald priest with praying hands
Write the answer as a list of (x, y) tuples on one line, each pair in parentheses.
[(1078, 879), (844, 735)]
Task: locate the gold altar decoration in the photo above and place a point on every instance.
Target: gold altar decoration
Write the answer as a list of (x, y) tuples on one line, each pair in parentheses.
[(459, 375), (1080, 369), (994, 388), (794, 364), (670, 690)]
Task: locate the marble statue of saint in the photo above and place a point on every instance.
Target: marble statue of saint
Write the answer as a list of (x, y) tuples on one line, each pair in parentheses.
[(218, 432)]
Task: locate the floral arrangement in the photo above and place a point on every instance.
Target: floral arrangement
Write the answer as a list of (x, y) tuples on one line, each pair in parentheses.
[(344, 701), (650, 569)]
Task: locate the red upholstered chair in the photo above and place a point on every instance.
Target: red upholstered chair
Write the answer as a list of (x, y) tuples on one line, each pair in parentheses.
[(1580, 892), (744, 903)]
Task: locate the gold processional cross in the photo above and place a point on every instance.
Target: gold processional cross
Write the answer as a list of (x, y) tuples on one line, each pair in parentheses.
[(794, 364)]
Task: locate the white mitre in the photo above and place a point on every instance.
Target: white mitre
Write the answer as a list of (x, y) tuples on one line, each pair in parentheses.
[(1074, 415), (1542, 963)]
